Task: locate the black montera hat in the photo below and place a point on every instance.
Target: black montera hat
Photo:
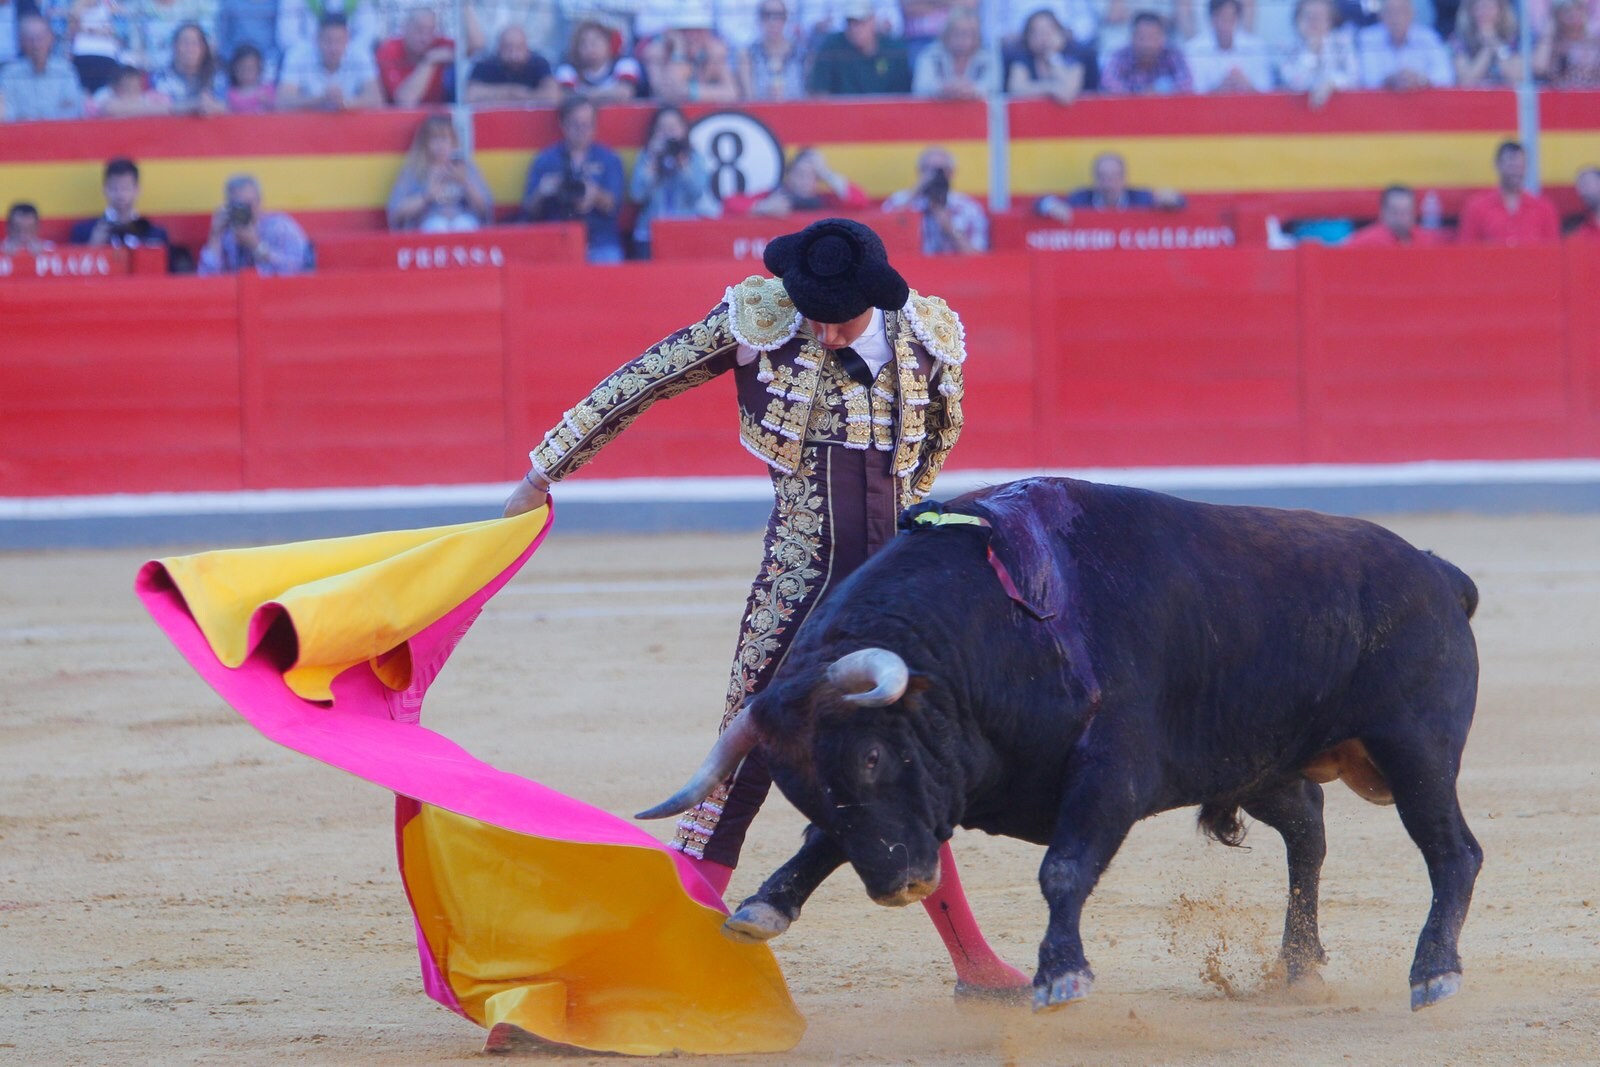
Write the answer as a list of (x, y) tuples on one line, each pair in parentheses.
[(835, 269)]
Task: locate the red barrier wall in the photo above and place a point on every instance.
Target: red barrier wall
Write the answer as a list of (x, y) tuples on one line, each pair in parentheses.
[(1190, 354), (1454, 355), (123, 387), (1231, 356), (1583, 344)]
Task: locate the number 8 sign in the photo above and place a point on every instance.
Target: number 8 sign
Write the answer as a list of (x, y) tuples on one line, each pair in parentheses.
[(745, 156)]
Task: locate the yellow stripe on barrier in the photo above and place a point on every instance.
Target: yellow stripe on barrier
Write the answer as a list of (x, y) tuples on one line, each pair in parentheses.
[(1563, 154), (189, 186), (1263, 163), (1202, 164)]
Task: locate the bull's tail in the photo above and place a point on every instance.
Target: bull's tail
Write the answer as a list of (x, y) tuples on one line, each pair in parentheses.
[(1466, 589), (1220, 821)]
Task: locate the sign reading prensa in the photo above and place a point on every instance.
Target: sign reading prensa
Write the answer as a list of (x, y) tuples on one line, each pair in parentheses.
[(65, 263), (492, 246), (426, 257)]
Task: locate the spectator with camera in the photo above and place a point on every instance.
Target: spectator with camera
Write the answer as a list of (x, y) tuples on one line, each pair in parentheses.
[(514, 74), (1110, 192), (578, 178), (670, 179), (22, 232), (243, 237), (953, 223), (39, 85), (331, 74), (121, 226), (439, 189), (412, 66)]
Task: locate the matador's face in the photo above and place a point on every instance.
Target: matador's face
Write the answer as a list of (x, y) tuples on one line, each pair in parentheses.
[(840, 334)]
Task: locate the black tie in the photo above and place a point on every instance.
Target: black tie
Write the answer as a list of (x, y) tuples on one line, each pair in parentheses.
[(854, 365)]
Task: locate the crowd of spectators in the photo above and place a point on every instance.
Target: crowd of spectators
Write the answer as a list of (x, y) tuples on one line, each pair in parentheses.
[(115, 58)]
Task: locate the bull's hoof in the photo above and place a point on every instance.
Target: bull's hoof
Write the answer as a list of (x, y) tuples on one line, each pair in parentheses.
[(1065, 990), (755, 921), (1435, 989), (993, 994)]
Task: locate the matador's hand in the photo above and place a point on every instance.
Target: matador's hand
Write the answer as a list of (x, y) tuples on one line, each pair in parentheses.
[(526, 497)]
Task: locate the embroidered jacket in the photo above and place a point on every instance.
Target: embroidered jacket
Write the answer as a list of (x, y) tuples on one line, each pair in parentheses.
[(794, 393)]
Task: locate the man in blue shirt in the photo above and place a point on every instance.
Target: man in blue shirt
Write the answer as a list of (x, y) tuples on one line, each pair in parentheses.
[(578, 179)]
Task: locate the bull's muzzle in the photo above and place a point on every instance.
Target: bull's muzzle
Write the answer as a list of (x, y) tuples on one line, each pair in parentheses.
[(725, 756), (909, 893)]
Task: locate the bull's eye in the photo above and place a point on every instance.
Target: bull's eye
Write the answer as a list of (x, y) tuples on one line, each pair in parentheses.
[(870, 762)]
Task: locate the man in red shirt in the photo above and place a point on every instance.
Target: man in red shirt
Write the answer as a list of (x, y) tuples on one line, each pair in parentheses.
[(1509, 215), (411, 66), (1396, 225), (1588, 186)]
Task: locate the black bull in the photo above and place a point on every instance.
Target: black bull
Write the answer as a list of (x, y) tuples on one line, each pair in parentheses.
[(1083, 656)]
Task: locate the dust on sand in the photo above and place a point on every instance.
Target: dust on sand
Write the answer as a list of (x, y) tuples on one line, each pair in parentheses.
[(175, 889)]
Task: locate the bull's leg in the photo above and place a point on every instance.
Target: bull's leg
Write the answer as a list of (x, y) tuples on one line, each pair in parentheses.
[(1424, 785), (769, 911), (1097, 811), (1295, 811)]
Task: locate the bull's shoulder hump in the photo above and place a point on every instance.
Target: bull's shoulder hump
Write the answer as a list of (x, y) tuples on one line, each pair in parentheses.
[(760, 313), (938, 327)]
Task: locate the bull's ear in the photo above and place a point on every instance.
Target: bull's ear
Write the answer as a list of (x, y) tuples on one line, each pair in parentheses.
[(1028, 518), (918, 684)]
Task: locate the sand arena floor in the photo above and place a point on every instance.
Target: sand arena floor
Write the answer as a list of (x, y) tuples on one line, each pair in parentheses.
[(176, 889)]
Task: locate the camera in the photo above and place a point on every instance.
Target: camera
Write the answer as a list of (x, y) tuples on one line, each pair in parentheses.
[(937, 188), (672, 154), (571, 193), (240, 214)]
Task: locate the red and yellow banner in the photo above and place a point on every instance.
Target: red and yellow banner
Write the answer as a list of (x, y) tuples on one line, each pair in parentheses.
[(334, 172)]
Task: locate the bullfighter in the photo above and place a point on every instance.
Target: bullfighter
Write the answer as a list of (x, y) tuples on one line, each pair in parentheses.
[(849, 389)]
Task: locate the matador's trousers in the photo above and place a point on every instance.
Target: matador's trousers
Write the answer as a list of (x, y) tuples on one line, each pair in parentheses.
[(837, 509)]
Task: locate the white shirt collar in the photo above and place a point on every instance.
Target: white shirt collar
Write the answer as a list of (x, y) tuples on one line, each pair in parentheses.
[(873, 344)]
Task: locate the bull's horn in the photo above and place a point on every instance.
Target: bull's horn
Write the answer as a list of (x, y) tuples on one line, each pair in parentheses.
[(871, 677), (731, 748)]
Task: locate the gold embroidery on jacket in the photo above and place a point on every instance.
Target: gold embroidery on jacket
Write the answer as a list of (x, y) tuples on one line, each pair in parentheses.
[(761, 313), (938, 327), (788, 581), (671, 366)]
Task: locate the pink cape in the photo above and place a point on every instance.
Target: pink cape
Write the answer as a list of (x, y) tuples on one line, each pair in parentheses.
[(598, 935)]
